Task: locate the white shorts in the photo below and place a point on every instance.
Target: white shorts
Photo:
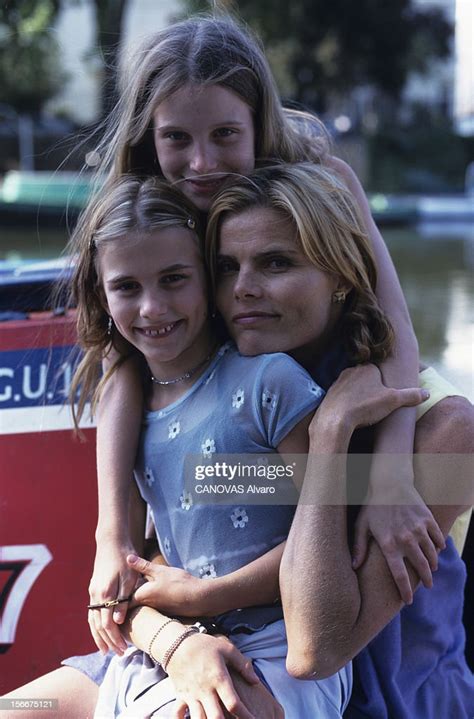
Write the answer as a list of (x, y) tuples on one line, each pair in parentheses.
[(135, 687)]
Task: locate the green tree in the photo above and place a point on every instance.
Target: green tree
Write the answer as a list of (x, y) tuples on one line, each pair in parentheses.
[(326, 47), (109, 25), (29, 55), (29, 62)]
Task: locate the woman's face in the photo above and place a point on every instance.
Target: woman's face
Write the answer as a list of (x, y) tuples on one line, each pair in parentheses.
[(155, 291), (202, 134), (270, 296)]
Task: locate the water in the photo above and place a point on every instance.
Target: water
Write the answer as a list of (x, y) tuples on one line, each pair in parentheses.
[(435, 265)]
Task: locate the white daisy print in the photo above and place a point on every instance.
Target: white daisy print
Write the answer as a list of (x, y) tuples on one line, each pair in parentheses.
[(239, 518), (208, 447), (207, 571), (186, 501), (149, 478), (167, 545), (268, 399), (174, 429), (238, 398)]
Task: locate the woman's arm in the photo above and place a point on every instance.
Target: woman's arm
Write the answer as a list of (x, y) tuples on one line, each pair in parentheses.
[(176, 591), (119, 420), (332, 611), (393, 529)]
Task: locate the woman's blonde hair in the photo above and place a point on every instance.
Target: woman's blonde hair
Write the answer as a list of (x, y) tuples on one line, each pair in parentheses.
[(129, 206), (331, 234)]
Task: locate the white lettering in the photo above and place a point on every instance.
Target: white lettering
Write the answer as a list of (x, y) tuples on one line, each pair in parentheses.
[(41, 388), (7, 394), (254, 489), (67, 374), (37, 557)]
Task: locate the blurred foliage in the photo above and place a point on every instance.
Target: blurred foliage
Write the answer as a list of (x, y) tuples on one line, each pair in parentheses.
[(422, 156), (319, 48), (109, 24), (30, 70)]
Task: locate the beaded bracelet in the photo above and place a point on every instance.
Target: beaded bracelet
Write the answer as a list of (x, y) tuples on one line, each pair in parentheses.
[(165, 624), (169, 653)]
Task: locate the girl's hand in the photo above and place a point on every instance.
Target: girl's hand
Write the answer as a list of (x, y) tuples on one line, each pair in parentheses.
[(359, 398), (112, 579), (199, 670), (405, 530), (169, 590), (257, 698)]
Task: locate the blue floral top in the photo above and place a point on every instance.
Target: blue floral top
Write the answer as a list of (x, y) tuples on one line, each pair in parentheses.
[(239, 405)]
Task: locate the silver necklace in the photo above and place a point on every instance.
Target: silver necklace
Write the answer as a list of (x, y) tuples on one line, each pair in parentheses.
[(184, 376)]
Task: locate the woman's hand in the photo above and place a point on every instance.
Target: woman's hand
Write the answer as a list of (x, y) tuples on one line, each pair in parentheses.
[(199, 670), (359, 398), (405, 530), (112, 578), (168, 589)]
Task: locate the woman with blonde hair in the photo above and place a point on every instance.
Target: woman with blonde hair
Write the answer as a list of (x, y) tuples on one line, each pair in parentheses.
[(265, 234)]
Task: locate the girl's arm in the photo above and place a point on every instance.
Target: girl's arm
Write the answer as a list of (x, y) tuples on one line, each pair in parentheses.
[(120, 520), (405, 519), (199, 666), (176, 591), (332, 611), (401, 369)]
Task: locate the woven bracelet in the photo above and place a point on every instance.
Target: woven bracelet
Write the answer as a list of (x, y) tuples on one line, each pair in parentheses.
[(165, 624), (169, 653)]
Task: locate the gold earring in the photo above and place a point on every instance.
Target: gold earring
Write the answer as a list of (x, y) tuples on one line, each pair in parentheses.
[(338, 296)]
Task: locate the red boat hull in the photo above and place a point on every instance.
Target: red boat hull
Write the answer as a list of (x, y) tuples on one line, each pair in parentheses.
[(47, 503)]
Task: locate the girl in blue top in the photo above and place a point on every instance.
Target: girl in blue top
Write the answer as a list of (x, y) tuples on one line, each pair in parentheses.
[(140, 280)]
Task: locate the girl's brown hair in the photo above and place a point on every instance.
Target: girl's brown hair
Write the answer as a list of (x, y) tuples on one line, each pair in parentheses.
[(202, 51)]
